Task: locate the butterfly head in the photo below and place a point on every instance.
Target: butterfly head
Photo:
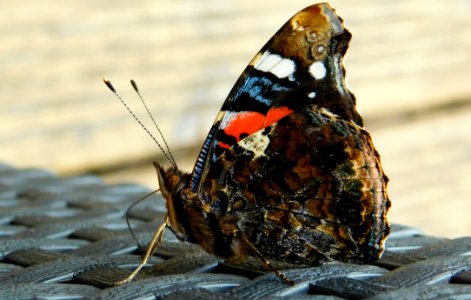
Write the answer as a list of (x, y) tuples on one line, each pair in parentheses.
[(171, 183)]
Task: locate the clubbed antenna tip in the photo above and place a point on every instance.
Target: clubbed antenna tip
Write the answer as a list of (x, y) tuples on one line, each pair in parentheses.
[(108, 84), (134, 86)]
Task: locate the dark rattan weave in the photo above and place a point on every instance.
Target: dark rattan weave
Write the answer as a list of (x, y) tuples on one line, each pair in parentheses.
[(66, 238)]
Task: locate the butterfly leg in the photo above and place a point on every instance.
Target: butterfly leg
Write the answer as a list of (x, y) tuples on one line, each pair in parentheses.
[(156, 239), (260, 256)]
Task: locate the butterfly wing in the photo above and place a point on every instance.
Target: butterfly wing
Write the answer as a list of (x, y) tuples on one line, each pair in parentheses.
[(299, 66), (307, 187)]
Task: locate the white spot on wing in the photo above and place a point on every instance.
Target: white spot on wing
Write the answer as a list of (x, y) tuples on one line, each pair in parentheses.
[(256, 143), (275, 64), (311, 95), (317, 70), (296, 26)]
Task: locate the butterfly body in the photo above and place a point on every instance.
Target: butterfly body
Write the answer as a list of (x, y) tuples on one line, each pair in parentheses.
[(287, 172)]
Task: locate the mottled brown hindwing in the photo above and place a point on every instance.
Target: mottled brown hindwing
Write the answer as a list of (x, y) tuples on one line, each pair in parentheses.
[(307, 188)]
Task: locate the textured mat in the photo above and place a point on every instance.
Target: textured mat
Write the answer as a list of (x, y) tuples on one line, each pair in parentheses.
[(66, 238)]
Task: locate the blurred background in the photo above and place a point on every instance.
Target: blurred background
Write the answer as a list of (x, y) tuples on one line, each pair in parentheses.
[(409, 65)]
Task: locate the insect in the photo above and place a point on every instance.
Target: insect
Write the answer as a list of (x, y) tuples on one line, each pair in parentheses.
[(287, 172)]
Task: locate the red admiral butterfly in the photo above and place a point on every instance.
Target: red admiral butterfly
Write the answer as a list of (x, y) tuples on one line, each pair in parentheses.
[(286, 173)]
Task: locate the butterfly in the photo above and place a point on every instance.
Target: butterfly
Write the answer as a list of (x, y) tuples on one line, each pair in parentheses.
[(287, 172)]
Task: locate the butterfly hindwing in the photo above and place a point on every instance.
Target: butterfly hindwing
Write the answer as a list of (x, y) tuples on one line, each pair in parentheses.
[(308, 177)]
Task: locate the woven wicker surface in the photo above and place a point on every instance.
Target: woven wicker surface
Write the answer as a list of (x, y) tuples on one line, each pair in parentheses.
[(66, 238)]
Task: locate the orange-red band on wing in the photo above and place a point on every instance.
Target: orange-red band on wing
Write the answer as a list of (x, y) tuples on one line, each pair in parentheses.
[(274, 114), (224, 145), (249, 122)]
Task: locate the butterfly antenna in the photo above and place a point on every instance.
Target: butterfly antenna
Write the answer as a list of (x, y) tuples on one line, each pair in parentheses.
[(111, 87), (138, 92)]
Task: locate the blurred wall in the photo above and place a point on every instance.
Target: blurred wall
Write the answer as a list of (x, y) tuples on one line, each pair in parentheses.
[(408, 64)]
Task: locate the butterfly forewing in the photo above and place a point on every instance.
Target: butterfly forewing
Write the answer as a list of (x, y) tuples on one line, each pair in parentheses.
[(299, 66)]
